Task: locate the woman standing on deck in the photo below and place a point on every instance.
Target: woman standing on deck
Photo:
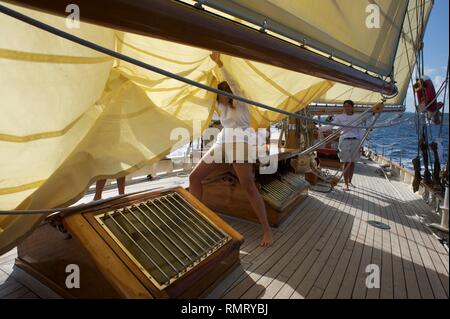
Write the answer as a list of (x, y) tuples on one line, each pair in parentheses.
[(233, 115)]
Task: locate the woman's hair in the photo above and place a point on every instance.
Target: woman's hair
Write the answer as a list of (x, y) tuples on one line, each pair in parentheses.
[(223, 86), (349, 102)]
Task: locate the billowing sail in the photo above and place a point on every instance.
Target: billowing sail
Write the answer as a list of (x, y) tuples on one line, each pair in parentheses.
[(379, 36), (364, 33), (179, 22), (71, 116), (404, 62)]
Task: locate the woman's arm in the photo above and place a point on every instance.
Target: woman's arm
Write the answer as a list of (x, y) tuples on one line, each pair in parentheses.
[(215, 56)]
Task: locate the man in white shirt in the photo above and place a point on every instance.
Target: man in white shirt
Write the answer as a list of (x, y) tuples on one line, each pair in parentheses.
[(348, 141)]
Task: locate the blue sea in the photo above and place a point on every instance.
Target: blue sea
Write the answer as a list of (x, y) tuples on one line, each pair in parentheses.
[(401, 139), (398, 142)]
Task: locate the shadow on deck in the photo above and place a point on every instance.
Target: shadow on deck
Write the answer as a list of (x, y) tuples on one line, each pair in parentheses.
[(323, 250)]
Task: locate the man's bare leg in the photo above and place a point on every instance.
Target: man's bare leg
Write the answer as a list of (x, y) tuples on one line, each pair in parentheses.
[(346, 176), (352, 171)]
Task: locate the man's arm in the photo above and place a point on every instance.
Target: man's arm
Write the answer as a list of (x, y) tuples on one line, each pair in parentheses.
[(329, 127)]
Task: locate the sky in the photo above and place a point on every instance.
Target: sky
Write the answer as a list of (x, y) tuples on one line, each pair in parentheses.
[(436, 47)]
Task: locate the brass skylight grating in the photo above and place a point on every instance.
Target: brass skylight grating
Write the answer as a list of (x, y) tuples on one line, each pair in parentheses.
[(294, 180), (278, 192), (165, 236)]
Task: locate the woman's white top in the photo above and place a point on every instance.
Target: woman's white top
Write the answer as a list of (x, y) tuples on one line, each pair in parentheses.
[(235, 120)]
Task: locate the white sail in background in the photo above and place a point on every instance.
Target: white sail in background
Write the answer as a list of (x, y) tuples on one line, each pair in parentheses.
[(405, 58), (364, 33), (348, 30)]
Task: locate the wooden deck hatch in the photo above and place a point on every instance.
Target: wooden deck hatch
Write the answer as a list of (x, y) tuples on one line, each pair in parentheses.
[(150, 245), (282, 190), (165, 236)]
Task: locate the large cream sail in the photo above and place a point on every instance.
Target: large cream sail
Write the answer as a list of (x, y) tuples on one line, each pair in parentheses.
[(362, 32), (404, 62)]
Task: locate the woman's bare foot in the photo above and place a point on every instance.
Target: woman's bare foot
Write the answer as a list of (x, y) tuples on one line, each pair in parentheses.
[(267, 239), (345, 188)]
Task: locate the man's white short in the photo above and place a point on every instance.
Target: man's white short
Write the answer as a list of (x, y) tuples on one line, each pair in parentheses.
[(349, 150)]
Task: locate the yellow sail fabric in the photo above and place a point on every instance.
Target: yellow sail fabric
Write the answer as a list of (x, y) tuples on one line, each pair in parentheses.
[(403, 63), (71, 116), (344, 29), (363, 32), (50, 91)]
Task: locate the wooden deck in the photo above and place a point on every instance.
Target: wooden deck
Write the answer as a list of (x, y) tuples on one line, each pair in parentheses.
[(323, 250)]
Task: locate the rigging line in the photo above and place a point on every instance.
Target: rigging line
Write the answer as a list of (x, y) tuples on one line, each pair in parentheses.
[(387, 123), (419, 32), (444, 100), (417, 18), (417, 41), (429, 138), (413, 40), (427, 133), (361, 118), (430, 133), (416, 116), (71, 209), (421, 37), (96, 47), (419, 52), (414, 44), (426, 123)]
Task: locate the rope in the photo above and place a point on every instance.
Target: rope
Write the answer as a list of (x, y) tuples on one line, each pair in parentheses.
[(120, 56), (445, 94), (427, 134), (332, 136), (316, 188), (334, 180), (72, 208), (416, 107), (422, 29)]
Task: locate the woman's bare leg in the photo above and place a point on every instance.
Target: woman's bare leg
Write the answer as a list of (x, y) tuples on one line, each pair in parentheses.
[(245, 175), (121, 185), (200, 171), (99, 189)]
